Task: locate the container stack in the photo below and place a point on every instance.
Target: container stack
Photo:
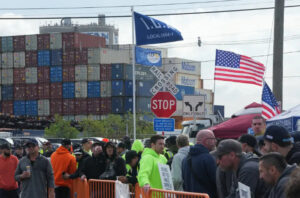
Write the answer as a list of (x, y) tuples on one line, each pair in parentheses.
[(74, 75)]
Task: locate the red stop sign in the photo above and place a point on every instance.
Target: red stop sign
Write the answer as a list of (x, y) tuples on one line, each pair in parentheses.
[(163, 104)]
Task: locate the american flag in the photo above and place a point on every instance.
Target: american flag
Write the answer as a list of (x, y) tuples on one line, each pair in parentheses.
[(238, 68), (269, 103)]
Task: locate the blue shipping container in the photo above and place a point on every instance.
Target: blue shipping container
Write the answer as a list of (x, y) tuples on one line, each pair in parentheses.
[(56, 74), (117, 105), (7, 44), (128, 88), (68, 90), (7, 92), (143, 88), (121, 71), (56, 57), (93, 89), (44, 58), (31, 108), (184, 90), (143, 104), (19, 108), (128, 104), (117, 88)]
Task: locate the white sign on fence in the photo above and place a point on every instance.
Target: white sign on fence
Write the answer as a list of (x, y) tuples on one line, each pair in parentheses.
[(165, 176)]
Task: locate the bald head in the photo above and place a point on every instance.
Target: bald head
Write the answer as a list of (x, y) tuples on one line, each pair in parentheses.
[(207, 139)]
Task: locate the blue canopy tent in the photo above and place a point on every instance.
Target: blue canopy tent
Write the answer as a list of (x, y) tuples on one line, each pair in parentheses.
[(290, 119)]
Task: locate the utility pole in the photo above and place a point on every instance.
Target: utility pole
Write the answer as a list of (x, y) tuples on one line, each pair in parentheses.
[(278, 50)]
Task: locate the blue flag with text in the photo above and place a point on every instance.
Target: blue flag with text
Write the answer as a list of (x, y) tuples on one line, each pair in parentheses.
[(147, 57), (150, 31)]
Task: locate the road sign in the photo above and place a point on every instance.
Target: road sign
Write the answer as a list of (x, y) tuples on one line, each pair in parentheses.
[(163, 104), (193, 106), (164, 80), (161, 124)]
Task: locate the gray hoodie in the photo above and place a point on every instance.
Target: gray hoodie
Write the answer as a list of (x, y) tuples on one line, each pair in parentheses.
[(176, 167), (278, 190)]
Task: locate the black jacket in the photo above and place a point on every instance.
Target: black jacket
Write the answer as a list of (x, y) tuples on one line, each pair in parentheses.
[(294, 155), (119, 167), (248, 174), (278, 190), (94, 166), (80, 166)]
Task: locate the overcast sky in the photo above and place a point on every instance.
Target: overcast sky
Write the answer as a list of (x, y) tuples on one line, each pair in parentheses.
[(246, 33)]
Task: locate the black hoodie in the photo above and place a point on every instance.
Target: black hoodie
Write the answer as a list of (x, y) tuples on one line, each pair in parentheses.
[(80, 166), (294, 155), (278, 190)]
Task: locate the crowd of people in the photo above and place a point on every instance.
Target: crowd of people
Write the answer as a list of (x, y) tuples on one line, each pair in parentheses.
[(265, 160)]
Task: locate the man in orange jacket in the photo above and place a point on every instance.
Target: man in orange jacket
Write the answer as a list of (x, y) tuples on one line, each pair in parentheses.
[(63, 162)]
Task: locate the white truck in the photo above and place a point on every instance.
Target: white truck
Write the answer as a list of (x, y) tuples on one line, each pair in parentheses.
[(191, 127)]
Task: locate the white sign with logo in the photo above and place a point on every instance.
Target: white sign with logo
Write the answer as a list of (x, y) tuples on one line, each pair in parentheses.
[(193, 106), (244, 190), (164, 80), (165, 176)]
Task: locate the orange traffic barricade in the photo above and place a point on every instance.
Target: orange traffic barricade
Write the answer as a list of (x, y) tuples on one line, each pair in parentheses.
[(104, 189), (79, 188), (158, 193)]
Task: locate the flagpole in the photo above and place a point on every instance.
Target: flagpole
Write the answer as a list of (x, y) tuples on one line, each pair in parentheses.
[(133, 74)]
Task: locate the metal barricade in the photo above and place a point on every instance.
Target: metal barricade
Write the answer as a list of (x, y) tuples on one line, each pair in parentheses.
[(79, 188), (104, 188), (157, 193)]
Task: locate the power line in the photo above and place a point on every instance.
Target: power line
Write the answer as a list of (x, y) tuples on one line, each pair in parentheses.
[(256, 56), (120, 6), (166, 14)]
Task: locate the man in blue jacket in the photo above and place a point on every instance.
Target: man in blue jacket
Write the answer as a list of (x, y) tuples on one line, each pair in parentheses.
[(199, 167)]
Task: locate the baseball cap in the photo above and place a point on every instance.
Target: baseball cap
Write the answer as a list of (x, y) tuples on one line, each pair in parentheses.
[(228, 146), (66, 142), (78, 151), (279, 135), (84, 140), (30, 142), (248, 139), (5, 146)]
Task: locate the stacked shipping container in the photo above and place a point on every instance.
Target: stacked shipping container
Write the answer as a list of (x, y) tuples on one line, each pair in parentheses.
[(73, 75)]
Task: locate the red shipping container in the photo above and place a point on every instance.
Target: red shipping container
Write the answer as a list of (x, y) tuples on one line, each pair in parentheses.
[(69, 57), (31, 92), (69, 73), (8, 107), (31, 58), (43, 91), (56, 90), (80, 107), (105, 72), (71, 40), (19, 43), (43, 74), (56, 106), (94, 106), (20, 92), (105, 106), (43, 41), (68, 106), (81, 56), (19, 76)]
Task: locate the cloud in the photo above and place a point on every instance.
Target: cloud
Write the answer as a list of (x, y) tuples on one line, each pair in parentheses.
[(17, 27)]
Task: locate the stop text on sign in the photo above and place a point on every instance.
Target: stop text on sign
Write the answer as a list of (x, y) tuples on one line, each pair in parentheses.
[(164, 104)]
